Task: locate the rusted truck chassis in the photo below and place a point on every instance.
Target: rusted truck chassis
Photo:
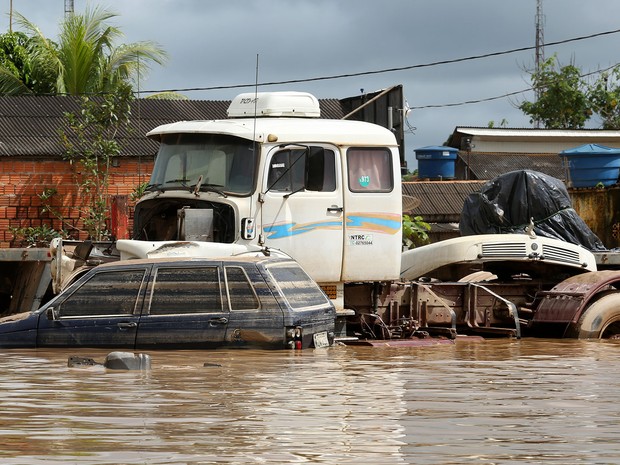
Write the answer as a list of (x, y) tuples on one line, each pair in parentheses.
[(489, 295)]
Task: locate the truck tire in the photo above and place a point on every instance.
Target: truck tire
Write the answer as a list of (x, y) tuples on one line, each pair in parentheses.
[(601, 320)]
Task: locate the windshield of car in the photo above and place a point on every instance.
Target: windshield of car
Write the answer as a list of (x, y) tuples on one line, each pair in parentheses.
[(205, 162)]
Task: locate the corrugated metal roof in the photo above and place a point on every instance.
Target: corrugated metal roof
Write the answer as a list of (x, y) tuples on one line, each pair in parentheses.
[(485, 166), (559, 138), (535, 132), (440, 201), (29, 125)]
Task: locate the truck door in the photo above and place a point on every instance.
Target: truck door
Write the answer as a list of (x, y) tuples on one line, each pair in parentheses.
[(373, 214), (302, 212)]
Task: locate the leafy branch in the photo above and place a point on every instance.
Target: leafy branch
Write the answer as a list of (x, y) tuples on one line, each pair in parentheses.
[(415, 231)]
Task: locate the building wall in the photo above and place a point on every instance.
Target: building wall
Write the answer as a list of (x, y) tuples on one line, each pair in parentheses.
[(528, 146), (22, 180)]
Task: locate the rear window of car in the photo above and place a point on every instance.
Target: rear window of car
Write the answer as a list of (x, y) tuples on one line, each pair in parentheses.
[(300, 291)]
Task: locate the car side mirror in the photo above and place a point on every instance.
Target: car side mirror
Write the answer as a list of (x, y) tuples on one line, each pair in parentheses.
[(52, 313)]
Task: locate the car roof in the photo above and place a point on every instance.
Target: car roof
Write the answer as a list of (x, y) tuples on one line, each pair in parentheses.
[(197, 261)]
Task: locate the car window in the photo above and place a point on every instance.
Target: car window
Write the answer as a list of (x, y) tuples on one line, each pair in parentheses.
[(186, 290), (297, 287), (241, 294), (105, 293)]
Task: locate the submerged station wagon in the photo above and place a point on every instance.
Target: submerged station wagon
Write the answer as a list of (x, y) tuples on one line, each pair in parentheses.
[(254, 302)]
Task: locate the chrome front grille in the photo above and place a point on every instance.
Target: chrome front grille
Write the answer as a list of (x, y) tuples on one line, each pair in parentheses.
[(560, 254), (504, 249)]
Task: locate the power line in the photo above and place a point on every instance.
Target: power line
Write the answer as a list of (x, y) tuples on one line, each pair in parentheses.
[(388, 70), (497, 97), (469, 102)]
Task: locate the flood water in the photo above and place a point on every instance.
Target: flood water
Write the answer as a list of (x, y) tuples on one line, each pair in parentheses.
[(486, 402)]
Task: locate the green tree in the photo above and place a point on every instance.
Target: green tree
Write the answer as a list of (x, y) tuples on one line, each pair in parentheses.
[(17, 73), (605, 98), (90, 145), (84, 59), (563, 101)]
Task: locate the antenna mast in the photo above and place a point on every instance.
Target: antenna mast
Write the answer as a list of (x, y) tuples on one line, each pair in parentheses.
[(540, 44), (69, 7), (540, 35)]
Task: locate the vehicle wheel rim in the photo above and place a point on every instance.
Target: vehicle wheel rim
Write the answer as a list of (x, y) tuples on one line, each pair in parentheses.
[(612, 331)]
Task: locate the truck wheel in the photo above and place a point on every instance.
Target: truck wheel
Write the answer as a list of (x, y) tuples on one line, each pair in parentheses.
[(601, 320)]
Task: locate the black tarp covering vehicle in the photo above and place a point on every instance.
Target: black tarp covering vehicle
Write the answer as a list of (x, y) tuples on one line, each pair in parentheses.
[(523, 201)]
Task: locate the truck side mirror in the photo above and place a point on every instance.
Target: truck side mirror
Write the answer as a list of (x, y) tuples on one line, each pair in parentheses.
[(315, 169)]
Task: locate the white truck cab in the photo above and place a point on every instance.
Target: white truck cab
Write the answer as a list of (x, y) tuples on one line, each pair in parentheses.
[(277, 176)]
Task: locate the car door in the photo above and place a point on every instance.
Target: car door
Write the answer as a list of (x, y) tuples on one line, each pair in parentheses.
[(100, 310), (254, 321), (184, 308)]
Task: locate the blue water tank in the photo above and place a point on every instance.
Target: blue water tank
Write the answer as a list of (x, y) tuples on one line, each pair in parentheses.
[(592, 164), (436, 162)]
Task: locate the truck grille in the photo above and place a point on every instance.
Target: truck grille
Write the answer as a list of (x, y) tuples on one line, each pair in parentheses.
[(560, 254), (503, 249), (519, 250)]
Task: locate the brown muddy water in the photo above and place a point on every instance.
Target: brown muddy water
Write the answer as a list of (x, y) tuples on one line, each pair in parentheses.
[(489, 402)]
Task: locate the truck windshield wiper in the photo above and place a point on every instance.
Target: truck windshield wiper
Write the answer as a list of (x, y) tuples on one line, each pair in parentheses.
[(183, 182), (217, 188), (152, 187), (199, 186)]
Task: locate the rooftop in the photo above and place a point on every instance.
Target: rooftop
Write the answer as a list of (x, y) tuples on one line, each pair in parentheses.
[(29, 125)]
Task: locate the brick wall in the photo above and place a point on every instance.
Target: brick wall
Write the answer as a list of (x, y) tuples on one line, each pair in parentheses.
[(23, 180)]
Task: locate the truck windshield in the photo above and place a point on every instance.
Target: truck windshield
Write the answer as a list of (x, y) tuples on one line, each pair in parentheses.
[(211, 162)]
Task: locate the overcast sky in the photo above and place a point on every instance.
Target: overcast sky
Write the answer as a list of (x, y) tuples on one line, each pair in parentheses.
[(213, 43)]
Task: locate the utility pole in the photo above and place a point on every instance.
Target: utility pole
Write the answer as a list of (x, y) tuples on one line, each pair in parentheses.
[(69, 7), (11, 17), (540, 44)]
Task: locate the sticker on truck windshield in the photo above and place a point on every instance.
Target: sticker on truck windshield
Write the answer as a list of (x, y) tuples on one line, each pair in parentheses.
[(360, 239), (364, 180)]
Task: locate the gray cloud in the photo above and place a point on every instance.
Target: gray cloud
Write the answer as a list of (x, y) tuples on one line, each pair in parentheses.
[(216, 43)]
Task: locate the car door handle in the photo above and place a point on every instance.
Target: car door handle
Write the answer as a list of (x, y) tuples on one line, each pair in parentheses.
[(334, 209), (130, 325), (218, 321)]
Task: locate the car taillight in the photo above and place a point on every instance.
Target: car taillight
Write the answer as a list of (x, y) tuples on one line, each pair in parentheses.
[(294, 338)]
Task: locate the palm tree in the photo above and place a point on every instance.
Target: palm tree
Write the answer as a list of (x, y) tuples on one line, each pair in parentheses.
[(84, 60)]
